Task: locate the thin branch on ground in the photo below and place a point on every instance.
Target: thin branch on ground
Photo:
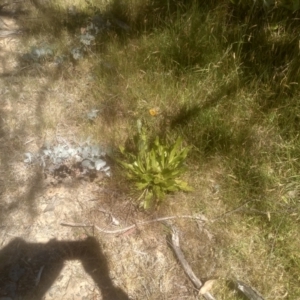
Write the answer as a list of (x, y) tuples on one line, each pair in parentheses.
[(243, 208), (117, 231), (114, 221), (9, 33), (122, 230), (75, 224), (224, 215), (185, 265), (37, 280), (248, 291)]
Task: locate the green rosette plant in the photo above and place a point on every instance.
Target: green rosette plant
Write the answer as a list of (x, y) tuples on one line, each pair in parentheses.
[(155, 168)]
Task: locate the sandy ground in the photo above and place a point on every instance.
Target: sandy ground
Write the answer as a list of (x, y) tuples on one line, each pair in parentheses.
[(40, 258)]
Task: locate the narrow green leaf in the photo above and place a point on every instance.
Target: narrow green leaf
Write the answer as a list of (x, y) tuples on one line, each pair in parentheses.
[(184, 186), (175, 149), (141, 185)]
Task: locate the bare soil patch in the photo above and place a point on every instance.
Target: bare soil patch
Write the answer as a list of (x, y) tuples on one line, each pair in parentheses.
[(40, 258)]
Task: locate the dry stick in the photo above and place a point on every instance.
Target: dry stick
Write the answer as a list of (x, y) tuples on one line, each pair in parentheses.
[(75, 224), (98, 228), (112, 218), (1, 21), (37, 281), (242, 208), (115, 231), (175, 244), (248, 291), (8, 33), (201, 218), (186, 267), (29, 141), (230, 212)]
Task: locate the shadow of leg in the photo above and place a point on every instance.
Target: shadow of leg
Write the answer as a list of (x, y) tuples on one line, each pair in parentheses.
[(95, 264)]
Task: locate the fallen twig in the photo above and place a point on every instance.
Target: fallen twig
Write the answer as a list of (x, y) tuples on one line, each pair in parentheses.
[(186, 267), (114, 221), (224, 215), (8, 33), (115, 231), (121, 230), (29, 141), (37, 281), (243, 208), (248, 291), (75, 224)]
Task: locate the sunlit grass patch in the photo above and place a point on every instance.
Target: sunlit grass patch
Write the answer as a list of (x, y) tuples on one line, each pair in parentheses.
[(203, 91), (202, 73)]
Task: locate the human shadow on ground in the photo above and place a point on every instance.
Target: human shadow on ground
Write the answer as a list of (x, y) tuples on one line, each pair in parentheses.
[(28, 270)]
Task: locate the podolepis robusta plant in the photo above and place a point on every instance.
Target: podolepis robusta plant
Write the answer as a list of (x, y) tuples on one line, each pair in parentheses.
[(155, 168)]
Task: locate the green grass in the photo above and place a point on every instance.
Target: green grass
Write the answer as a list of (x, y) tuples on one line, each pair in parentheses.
[(230, 89), (225, 78)]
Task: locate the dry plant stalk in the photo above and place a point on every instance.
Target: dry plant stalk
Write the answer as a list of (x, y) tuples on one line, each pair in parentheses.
[(248, 291), (122, 230), (186, 267)]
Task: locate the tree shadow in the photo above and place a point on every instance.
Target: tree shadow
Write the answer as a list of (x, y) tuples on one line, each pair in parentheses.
[(12, 151), (267, 46), (13, 140), (28, 270)]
